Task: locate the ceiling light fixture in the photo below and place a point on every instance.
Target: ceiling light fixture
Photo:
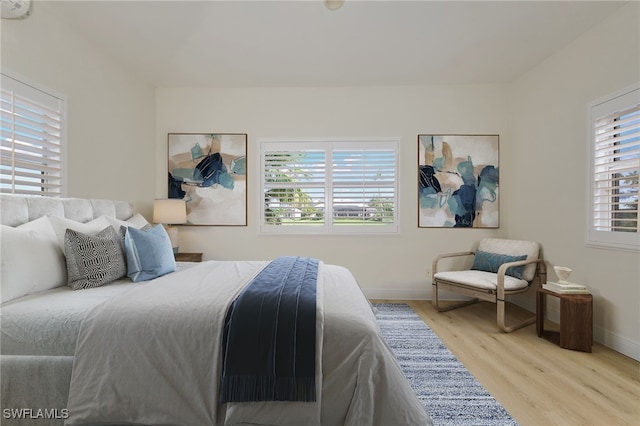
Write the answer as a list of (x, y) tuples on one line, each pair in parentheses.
[(15, 9), (333, 4)]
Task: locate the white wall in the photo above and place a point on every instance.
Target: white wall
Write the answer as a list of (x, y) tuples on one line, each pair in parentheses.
[(110, 138), (545, 169), (385, 266)]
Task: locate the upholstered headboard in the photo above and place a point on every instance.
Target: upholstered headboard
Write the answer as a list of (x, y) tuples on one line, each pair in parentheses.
[(18, 209)]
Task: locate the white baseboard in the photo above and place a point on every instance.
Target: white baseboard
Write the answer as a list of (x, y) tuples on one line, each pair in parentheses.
[(624, 345), (618, 343), (397, 293)]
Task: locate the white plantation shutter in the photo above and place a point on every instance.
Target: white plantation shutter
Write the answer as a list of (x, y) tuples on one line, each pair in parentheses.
[(615, 170), (336, 186), (294, 186), (364, 186), (30, 140)]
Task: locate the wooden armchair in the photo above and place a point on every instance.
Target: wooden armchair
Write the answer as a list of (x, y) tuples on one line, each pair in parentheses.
[(501, 267)]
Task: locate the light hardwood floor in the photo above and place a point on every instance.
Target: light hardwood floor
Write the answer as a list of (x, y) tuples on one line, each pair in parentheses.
[(537, 382)]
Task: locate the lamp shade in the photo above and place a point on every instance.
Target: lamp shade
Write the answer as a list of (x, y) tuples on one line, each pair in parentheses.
[(169, 211)]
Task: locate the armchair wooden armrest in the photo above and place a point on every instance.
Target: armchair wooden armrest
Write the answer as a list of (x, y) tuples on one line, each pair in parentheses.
[(434, 265), (503, 269), (541, 272)]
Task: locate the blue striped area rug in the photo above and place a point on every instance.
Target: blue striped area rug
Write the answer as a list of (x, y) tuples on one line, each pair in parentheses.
[(448, 391)]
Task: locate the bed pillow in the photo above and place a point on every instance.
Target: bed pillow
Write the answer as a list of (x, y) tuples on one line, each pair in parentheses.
[(94, 260), (149, 253), (61, 224), (138, 221), (30, 259), (491, 262)]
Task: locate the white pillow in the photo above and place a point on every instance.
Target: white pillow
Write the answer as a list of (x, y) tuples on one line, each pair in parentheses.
[(60, 226), (138, 221), (31, 259)]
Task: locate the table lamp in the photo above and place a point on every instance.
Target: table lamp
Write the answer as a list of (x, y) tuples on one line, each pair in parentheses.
[(169, 212)]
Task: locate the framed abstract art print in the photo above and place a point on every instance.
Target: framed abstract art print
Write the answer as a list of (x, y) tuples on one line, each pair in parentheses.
[(209, 171), (458, 181)]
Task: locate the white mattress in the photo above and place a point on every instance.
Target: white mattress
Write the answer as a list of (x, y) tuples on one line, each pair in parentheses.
[(47, 323)]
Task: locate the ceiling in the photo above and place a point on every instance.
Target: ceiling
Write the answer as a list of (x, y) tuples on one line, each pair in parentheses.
[(302, 43)]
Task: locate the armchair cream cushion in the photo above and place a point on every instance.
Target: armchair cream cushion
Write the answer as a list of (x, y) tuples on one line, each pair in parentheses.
[(481, 279)]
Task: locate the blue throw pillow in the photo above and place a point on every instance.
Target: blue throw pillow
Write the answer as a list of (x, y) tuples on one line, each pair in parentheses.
[(491, 262), (149, 253)]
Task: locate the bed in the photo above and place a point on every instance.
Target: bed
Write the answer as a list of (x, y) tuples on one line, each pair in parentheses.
[(150, 352)]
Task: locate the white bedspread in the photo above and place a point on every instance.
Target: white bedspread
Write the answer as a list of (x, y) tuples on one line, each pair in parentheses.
[(152, 356), (48, 322)]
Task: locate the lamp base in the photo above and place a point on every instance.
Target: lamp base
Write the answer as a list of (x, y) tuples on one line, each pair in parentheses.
[(172, 231)]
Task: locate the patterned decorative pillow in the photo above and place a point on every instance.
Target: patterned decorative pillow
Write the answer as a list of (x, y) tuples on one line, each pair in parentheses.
[(94, 260), (149, 253), (491, 262)]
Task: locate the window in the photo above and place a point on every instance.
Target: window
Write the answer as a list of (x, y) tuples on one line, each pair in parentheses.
[(329, 186), (615, 165), (31, 130)]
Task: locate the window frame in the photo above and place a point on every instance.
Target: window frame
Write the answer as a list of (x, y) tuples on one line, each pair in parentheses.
[(596, 110), (36, 93), (328, 145)]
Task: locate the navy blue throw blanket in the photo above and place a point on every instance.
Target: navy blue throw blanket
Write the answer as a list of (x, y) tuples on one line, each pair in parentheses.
[(269, 338)]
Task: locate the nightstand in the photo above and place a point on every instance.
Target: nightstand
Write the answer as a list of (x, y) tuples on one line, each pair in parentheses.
[(189, 257), (576, 320)]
